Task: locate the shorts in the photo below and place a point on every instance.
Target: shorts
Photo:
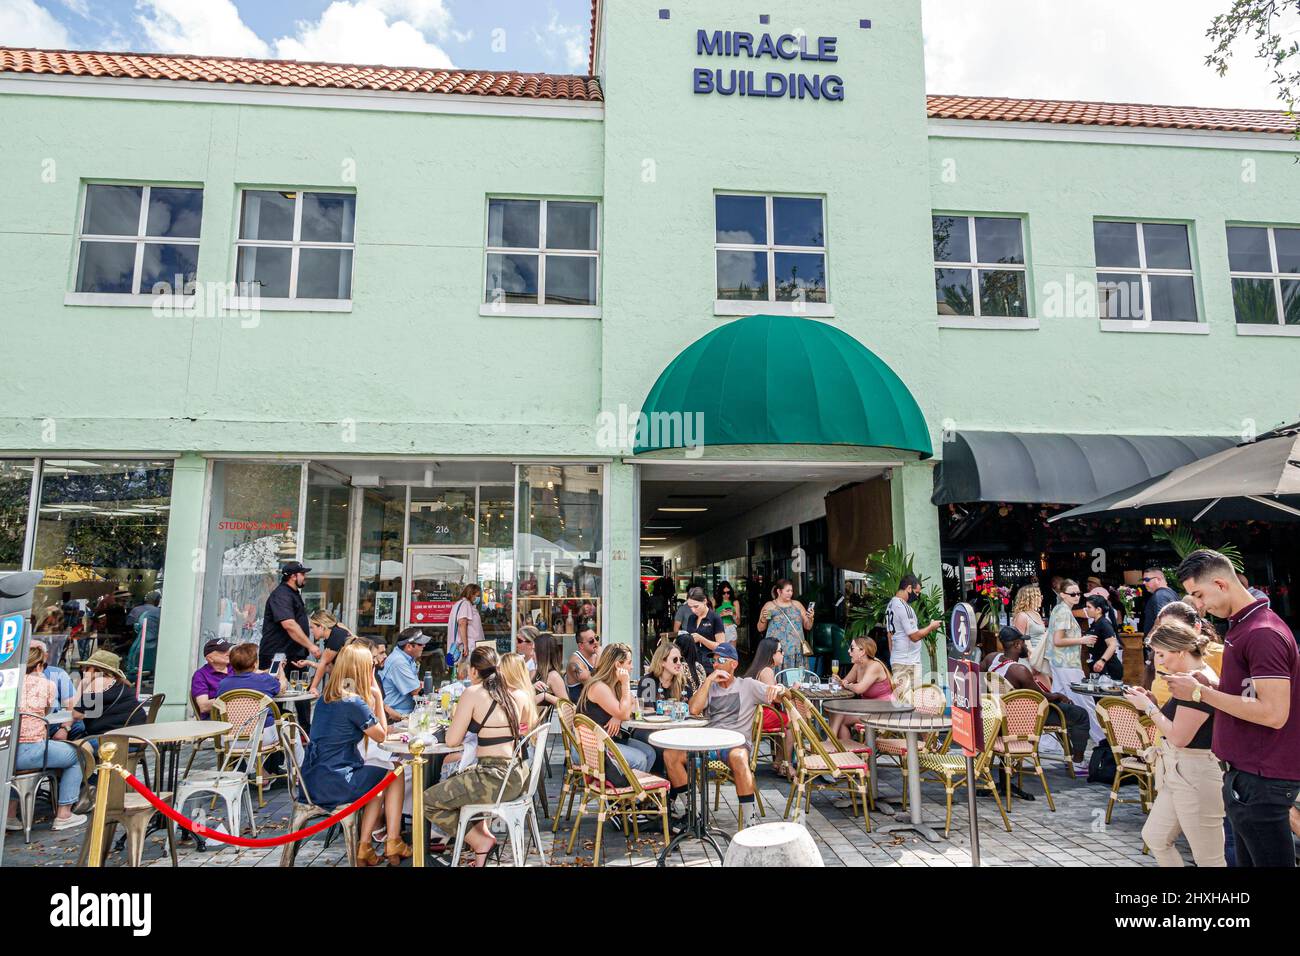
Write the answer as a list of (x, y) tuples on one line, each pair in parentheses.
[(774, 721)]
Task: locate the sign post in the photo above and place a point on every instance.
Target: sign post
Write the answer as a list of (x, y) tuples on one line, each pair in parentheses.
[(967, 725), (15, 637)]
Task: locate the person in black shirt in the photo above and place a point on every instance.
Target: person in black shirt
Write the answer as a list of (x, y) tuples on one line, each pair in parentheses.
[(105, 701), (1103, 656), (326, 627), (284, 621)]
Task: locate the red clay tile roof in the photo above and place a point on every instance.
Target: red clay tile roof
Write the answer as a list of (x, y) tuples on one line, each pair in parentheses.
[(215, 69), (999, 109), (591, 43)]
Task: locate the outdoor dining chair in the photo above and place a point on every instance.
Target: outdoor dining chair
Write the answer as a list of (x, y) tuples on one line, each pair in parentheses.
[(572, 783), (818, 768), (949, 769), (1132, 736), (797, 675), (126, 807), (27, 783), (1023, 715), (229, 781), (518, 815), (644, 794), (304, 809), (235, 707)]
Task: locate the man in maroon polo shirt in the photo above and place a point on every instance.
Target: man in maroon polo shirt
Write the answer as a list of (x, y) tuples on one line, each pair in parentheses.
[(1257, 724)]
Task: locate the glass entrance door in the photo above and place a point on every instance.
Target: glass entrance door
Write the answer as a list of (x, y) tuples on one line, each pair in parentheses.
[(435, 577)]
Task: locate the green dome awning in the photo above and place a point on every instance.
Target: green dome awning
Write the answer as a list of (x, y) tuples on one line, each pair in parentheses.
[(783, 380)]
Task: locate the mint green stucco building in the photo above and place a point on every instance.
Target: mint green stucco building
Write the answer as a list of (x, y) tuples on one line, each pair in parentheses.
[(460, 291)]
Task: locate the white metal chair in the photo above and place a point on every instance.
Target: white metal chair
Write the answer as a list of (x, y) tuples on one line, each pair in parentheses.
[(230, 780), (797, 675), (26, 784), (517, 813)]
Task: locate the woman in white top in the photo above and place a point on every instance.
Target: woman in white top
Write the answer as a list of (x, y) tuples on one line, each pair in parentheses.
[(1064, 638), (1025, 616)]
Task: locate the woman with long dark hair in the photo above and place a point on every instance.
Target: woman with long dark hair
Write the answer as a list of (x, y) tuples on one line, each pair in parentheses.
[(727, 605), (548, 678), (496, 713), (769, 658), (786, 619)]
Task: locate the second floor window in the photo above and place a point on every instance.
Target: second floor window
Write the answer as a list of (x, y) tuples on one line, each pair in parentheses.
[(1265, 266), (541, 252), (979, 266), (139, 240), (296, 245), (1144, 271), (770, 248)]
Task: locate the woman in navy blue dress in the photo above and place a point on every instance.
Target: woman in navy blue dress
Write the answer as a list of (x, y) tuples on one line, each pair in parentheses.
[(335, 771)]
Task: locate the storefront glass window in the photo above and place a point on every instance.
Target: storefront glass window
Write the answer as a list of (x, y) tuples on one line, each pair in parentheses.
[(442, 515), (15, 497), (559, 553), (101, 536), (325, 542), (496, 560), (379, 592), (252, 530)]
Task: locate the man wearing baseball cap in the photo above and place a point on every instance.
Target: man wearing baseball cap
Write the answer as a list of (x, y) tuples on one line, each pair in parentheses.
[(401, 677), (729, 703), (206, 680), (285, 628)]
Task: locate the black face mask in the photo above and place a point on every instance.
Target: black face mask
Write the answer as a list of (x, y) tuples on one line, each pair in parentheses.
[(912, 596)]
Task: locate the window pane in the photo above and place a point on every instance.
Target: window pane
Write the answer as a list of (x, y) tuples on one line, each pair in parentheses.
[(174, 213), (266, 215), (511, 278), (1288, 249), (560, 553), (741, 219), (327, 217), (800, 277), (1167, 246), (1254, 301), (112, 210), (1000, 240), (954, 292), (263, 272), (1120, 297), (1116, 244), (106, 267), (101, 536), (381, 570), (742, 275), (797, 222), (324, 274), (571, 280), (496, 517), (1173, 299), (571, 225), (1291, 301), (1248, 250), (442, 516), (1002, 293), (514, 223), (172, 266), (951, 239), (15, 495)]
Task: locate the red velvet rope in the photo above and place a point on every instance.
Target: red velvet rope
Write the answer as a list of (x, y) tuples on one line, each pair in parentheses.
[(210, 834)]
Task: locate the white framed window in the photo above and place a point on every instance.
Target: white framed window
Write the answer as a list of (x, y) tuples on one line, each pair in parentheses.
[(542, 257), (137, 241), (770, 254), (980, 273), (1145, 278), (1264, 265), (295, 249)]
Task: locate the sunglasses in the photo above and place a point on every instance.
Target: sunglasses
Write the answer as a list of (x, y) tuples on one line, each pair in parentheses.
[(1145, 580), (1071, 593), (522, 640)]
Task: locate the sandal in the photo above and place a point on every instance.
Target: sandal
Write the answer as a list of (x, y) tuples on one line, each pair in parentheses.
[(397, 851), (491, 853)]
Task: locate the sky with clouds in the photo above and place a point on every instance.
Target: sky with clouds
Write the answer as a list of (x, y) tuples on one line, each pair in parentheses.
[(1150, 51)]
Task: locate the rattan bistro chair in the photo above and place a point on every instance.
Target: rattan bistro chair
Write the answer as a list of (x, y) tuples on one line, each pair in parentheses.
[(572, 783), (1131, 736), (949, 769), (1023, 714), (644, 794), (847, 771)]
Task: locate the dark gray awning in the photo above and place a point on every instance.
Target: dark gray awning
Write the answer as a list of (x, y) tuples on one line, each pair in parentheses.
[(1057, 469)]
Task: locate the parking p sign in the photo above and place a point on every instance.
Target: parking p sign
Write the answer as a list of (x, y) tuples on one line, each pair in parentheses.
[(11, 635)]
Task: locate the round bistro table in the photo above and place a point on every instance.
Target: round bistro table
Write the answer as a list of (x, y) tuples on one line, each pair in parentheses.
[(697, 742), (913, 725), (858, 708)]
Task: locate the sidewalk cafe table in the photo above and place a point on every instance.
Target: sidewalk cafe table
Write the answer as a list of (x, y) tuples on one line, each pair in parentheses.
[(662, 724), (858, 708), (1094, 689), (822, 695), (913, 725), (697, 742)]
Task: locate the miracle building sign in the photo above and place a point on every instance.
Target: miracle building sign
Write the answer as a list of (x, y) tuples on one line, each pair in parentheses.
[(786, 47)]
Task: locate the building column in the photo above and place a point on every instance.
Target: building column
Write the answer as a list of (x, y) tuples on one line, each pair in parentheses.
[(622, 617), (916, 531), (177, 650)]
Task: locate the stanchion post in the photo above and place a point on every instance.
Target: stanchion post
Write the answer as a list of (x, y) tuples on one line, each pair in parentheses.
[(417, 802), (107, 751)]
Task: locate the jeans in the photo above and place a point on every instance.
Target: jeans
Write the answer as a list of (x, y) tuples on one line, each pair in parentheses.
[(638, 754), (1077, 726), (62, 756), (1259, 809)]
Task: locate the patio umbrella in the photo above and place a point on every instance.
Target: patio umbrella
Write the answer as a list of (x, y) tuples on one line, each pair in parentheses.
[(1252, 481)]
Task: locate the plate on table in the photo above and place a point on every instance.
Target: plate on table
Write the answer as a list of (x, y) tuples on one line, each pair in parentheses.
[(656, 719)]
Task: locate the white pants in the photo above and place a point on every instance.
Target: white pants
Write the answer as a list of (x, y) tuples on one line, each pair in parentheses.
[(1189, 800)]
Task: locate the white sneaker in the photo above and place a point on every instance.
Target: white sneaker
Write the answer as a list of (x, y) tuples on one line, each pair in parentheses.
[(12, 824), (68, 822), (677, 806), (752, 819)]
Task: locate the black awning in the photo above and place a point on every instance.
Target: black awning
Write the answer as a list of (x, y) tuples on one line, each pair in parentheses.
[(1025, 468)]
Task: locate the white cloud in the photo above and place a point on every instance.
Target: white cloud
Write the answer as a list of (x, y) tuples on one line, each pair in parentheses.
[(1118, 50), (80, 7), (24, 23), (565, 41), (362, 33), (197, 26)]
